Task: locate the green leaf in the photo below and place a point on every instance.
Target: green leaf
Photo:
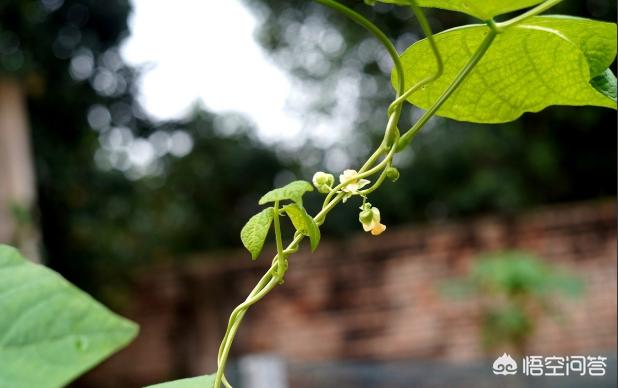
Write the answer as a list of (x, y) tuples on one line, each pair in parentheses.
[(207, 381), (304, 223), (606, 84), (254, 233), (50, 331), (597, 40), (482, 9), (293, 191), (541, 62)]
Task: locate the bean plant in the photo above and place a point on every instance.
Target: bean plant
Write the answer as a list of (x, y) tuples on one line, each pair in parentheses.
[(490, 72)]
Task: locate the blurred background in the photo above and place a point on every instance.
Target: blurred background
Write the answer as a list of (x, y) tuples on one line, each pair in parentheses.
[(136, 137)]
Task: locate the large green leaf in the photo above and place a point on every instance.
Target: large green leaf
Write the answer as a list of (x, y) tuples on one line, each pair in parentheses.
[(207, 381), (293, 191), (544, 61), (482, 9), (254, 233), (304, 223), (50, 331)]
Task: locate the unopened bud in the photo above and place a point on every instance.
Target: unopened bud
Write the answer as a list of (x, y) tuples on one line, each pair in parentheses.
[(323, 181), (392, 173)]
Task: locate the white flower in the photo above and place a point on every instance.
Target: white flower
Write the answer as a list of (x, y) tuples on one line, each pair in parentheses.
[(370, 219), (352, 183)]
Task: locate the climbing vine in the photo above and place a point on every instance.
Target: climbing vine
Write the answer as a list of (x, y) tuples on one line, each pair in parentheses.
[(490, 72)]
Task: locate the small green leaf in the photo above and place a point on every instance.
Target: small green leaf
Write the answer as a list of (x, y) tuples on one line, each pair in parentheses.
[(606, 84), (541, 62), (304, 223), (254, 233), (207, 381), (292, 191), (482, 9), (50, 331)]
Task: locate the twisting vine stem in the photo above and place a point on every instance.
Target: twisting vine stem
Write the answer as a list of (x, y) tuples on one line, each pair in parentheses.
[(526, 15), (280, 259), (386, 42), (394, 110), (392, 143), (407, 137)]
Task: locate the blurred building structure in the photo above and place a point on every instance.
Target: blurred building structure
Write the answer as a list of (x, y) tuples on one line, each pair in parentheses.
[(17, 183), (371, 300)]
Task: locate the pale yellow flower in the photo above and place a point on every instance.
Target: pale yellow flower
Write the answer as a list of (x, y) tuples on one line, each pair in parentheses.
[(352, 183), (370, 219)]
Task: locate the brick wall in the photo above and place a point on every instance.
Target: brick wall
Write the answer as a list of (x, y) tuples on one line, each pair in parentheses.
[(370, 298)]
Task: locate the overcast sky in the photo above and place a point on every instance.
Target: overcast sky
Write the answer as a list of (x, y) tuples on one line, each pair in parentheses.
[(204, 50)]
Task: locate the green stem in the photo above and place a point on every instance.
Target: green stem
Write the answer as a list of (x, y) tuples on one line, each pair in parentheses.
[(234, 328), (422, 19), (259, 291), (391, 131), (407, 137), (259, 287), (533, 12), (268, 282), (321, 216), (387, 163), (391, 128), (372, 159), (394, 110), (281, 259), (264, 286), (388, 45)]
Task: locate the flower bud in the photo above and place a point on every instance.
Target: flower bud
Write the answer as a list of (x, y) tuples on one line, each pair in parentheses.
[(323, 181), (392, 173)]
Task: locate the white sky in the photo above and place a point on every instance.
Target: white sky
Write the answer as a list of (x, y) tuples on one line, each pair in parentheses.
[(204, 50)]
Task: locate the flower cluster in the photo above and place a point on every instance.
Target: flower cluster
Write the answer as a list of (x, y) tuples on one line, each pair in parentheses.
[(351, 184)]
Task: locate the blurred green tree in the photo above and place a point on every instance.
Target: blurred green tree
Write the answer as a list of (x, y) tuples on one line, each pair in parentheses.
[(453, 169), (115, 189)]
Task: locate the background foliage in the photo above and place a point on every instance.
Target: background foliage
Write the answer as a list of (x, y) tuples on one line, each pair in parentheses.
[(100, 211), (515, 289)]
